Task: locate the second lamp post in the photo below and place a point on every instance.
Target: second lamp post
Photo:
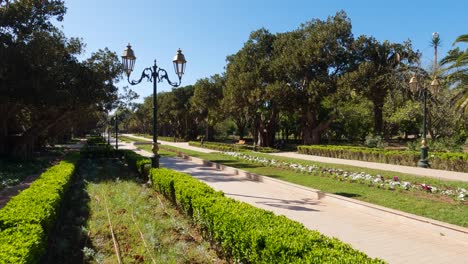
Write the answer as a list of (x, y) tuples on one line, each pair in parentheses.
[(416, 87), (155, 75)]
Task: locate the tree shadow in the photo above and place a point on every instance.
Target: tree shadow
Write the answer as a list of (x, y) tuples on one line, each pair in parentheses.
[(349, 195)]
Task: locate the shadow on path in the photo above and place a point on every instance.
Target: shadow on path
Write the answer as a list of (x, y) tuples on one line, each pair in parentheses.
[(294, 205)]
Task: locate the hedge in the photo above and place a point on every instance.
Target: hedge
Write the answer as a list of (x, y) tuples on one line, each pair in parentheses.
[(231, 147), (28, 218), (137, 162), (437, 160), (247, 234)]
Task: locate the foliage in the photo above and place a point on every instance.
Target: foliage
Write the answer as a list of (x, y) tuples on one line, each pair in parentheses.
[(248, 234), (437, 160), (46, 93), (373, 141), (137, 162), (231, 147), (29, 217), (24, 243)]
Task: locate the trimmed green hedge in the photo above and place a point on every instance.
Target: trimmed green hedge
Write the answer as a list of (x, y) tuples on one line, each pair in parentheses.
[(171, 139), (29, 217), (231, 147), (437, 160), (247, 234), (137, 162)]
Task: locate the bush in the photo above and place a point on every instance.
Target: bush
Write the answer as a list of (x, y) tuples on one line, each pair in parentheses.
[(22, 244), (247, 234), (373, 141), (137, 162), (437, 160), (29, 217), (231, 147)]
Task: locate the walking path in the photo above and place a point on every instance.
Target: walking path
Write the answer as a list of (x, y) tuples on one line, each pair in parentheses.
[(377, 232), (438, 174)]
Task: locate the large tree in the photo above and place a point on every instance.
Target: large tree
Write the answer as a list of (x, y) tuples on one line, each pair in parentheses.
[(206, 102), (43, 87), (312, 59)]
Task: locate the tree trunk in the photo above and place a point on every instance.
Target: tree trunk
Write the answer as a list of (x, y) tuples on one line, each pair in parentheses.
[(378, 116), (209, 131), (311, 131), (240, 127)]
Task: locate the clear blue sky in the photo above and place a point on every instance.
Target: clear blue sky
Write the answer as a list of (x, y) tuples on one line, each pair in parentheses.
[(209, 30)]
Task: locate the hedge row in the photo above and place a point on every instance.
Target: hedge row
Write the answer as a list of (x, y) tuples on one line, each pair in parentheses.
[(171, 139), (28, 218), (247, 234), (437, 160), (137, 162), (231, 147)]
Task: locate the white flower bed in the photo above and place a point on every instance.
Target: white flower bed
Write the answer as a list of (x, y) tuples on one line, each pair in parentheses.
[(361, 177)]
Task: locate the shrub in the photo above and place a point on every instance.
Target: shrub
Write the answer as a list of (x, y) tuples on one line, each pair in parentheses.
[(247, 234), (137, 162), (231, 147), (374, 141), (22, 244), (29, 217), (437, 160)]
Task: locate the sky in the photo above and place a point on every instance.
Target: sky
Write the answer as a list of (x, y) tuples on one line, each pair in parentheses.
[(209, 30)]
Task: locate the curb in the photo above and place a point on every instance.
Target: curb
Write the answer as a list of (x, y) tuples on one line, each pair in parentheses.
[(439, 228)]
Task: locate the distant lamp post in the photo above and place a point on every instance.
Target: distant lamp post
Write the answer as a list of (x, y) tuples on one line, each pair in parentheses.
[(417, 88), (116, 132), (153, 74)]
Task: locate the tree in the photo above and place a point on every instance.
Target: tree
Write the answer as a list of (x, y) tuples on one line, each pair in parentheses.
[(44, 88), (381, 70), (456, 73), (311, 60), (206, 102)]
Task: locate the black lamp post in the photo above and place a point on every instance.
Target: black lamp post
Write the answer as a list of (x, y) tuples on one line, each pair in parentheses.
[(116, 132), (422, 89), (155, 75)]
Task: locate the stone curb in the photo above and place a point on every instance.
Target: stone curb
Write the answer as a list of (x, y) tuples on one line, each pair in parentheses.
[(433, 226)]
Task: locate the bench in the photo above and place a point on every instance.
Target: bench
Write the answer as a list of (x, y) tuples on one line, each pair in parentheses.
[(241, 142)]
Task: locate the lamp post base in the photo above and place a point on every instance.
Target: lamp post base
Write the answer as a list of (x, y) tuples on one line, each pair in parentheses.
[(423, 163), (155, 162)]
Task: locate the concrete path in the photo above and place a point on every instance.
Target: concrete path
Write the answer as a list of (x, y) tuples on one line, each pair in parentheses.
[(183, 145), (438, 174), (381, 233)]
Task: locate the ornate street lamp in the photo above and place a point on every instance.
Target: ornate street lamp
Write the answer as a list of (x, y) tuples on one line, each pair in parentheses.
[(415, 88), (155, 75)]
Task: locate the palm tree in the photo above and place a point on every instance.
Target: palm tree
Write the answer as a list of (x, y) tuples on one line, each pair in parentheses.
[(456, 71)]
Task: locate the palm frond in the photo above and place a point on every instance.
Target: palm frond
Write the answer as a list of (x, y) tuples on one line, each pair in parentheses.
[(462, 38)]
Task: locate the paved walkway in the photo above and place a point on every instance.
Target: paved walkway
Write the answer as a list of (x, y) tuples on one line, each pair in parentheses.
[(388, 236), (438, 174)]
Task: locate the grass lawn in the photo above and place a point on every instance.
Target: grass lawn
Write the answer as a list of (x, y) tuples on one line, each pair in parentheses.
[(424, 204), (146, 228)]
